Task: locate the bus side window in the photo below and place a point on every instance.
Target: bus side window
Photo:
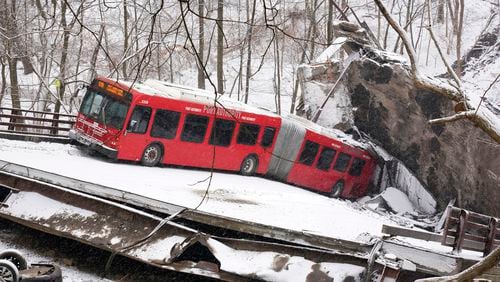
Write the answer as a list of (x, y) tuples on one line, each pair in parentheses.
[(222, 132), (248, 134), (165, 124), (139, 120), (357, 167), (268, 137), (326, 158), (309, 153), (194, 129), (342, 162)]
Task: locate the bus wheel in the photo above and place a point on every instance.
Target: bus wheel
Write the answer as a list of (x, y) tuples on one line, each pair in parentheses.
[(15, 257), (8, 271), (249, 165), (337, 189), (151, 155)]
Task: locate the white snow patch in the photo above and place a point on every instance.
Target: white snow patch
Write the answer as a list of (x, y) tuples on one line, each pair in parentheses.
[(328, 55), (416, 192), (397, 200), (272, 266), (158, 250), (437, 246), (31, 205), (115, 240)]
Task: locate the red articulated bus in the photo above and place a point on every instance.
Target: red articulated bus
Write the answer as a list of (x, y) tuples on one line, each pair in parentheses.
[(157, 122)]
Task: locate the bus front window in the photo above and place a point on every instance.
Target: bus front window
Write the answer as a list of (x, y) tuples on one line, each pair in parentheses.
[(113, 113), (91, 104), (104, 109)]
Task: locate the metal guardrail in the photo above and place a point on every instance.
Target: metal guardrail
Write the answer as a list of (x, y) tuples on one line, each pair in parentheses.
[(33, 125)]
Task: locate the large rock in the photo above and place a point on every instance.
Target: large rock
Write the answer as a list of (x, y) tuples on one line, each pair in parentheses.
[(455, 161)]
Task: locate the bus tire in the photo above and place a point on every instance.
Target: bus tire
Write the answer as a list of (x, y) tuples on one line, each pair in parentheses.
[(15, 257), (152, 155), (337, 189), (8, 271), (249, 165)]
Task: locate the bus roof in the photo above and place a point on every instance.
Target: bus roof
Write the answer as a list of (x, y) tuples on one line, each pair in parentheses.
[(190, 94), (328, 132), (155, 87)]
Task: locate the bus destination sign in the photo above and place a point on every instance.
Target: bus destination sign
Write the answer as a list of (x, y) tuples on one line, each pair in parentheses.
[(110, 88)]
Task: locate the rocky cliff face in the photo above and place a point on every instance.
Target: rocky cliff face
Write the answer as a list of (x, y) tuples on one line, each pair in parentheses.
[(456, 161)]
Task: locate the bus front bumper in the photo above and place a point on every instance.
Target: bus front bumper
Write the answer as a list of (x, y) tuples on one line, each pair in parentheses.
[(93, 144)]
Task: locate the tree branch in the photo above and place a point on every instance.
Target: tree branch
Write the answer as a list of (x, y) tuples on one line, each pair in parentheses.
[(433, 85)]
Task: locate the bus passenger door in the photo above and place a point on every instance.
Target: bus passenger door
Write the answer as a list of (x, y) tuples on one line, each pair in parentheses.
[(134, 138)]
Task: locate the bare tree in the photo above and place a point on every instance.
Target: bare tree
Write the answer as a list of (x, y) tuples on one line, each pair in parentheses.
[(201, 43), (448, 91), (249, 51), (220, 46), (126, 36), (8, 24), (460, 24), (440, 11), (4, 80), (329, 23)]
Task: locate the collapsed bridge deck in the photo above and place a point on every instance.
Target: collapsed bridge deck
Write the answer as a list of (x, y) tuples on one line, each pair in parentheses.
[(310, 228)]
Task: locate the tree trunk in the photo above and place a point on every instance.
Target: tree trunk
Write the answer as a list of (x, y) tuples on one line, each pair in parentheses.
[(386, 33), (302, 60), (312, 22), (201, 44), (14, 91), (329, 23), (220, 46), (4, 81), (460, 24), (7, 23), (93, 60), (440, 11), (20, 50), (62, 65), (249, 52), (453, 8), (277, 75), (125, 38), (78, 60), (239, 76)]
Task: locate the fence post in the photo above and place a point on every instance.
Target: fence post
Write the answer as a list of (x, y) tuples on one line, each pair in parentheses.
[(490, 240), (462, 224)]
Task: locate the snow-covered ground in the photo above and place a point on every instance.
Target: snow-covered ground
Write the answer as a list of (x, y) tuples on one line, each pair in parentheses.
[(253, 199)]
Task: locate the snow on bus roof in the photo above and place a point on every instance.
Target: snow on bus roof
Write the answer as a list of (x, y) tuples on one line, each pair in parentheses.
[(191, 94), (329, 132)]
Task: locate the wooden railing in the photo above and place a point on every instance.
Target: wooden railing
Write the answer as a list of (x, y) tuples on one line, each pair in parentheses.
[(38, 123), (470, 230)]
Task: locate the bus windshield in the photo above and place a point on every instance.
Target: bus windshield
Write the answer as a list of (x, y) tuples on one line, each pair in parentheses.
[(104, 109)]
